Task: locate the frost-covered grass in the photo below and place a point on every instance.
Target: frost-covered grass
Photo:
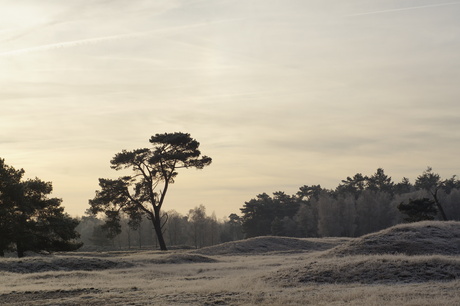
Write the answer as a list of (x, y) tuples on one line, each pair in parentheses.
[(275, 271)]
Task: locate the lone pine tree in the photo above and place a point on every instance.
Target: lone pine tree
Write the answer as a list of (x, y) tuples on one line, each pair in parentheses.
[(153, 170)]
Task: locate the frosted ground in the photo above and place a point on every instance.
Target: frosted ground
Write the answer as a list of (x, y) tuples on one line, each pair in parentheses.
[(415, 264)]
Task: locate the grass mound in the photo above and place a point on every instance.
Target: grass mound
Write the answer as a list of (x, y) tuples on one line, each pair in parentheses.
[(266, 244), (43, 264), (183, 258), (421, 238), (374, 269)]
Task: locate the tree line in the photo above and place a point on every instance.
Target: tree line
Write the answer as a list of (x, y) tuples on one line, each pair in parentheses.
[(359, 205), (196, 229)]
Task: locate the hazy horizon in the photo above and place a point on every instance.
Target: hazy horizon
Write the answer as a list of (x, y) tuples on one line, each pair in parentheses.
[(280, 94)]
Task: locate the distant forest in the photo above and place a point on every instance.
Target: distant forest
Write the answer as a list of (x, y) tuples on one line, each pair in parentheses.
[(359, 205), (194, 230)]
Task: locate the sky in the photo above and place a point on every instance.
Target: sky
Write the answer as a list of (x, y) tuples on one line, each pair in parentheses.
[(280, 93)]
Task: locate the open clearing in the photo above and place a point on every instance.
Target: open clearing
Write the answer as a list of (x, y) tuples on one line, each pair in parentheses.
[(412, 264)]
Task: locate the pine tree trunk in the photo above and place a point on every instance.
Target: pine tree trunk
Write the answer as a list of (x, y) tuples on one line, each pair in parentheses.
[(157, 226)]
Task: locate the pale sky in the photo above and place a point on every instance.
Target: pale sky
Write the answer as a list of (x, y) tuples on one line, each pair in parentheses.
[(280, 93)]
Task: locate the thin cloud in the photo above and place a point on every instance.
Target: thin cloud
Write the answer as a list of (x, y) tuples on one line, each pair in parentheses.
[(66, 44), (403, 9), (74, 43)]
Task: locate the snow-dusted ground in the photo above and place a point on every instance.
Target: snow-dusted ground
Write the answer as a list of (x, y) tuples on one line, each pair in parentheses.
[(416, 264)]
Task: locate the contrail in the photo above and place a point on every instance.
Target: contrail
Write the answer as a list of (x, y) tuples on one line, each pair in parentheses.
[(73, 43), (66, 44), (404, 9)]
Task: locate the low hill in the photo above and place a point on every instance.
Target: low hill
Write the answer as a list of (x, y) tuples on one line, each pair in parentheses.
[(269, 244), (421, 238)]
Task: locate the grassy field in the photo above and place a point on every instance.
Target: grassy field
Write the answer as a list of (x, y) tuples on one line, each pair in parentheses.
[(416, 264)]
